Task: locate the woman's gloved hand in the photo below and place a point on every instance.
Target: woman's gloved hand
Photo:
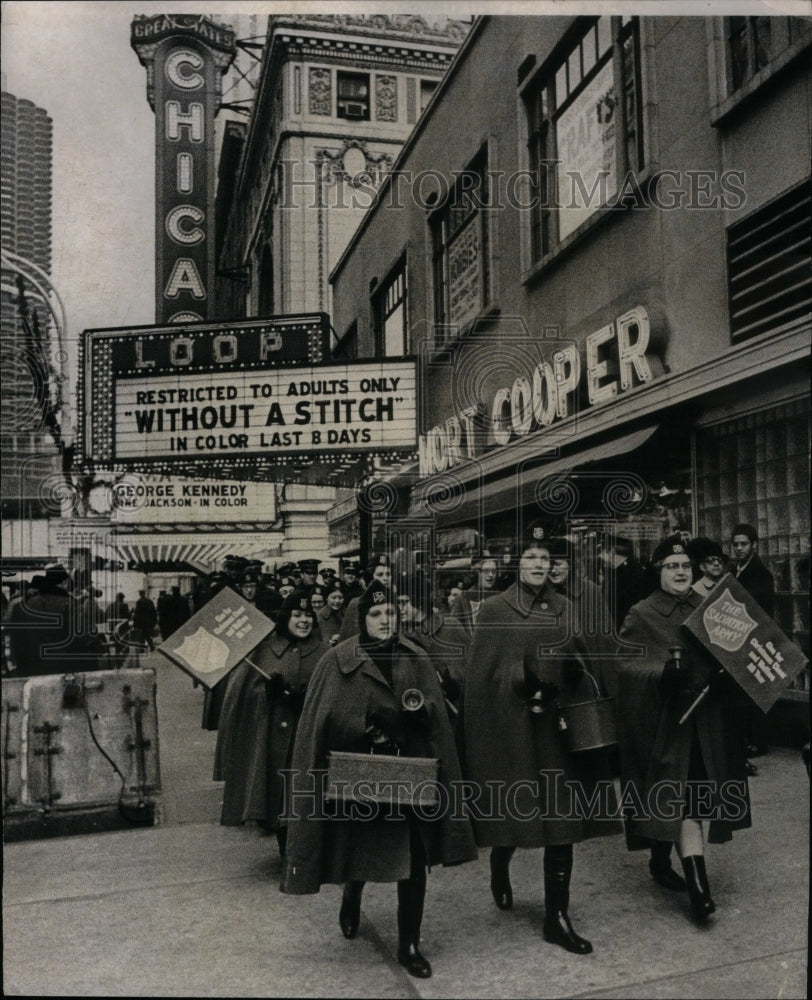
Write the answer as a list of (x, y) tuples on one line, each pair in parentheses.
[(675, 678), (539, 693)]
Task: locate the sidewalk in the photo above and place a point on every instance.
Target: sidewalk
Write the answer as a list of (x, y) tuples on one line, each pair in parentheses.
[(193, 909)]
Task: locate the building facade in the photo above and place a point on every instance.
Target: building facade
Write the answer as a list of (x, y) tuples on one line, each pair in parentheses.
[(602, 240), (337, 97), (30, 434)]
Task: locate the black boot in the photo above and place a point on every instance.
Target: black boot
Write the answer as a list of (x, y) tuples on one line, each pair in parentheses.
[(557, 927), (282, 840), (349, 916), (500, 876), (698, 889), (661, 869), (411, 895)]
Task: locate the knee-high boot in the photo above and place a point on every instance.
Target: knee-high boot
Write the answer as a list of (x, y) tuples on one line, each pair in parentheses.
[(282, 840), (349, 916), (698, 889), (557, 926), (411, 896), (500, 876), (661, 869)]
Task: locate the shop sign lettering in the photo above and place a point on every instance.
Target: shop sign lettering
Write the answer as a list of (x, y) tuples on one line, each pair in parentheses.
[(612, 360)]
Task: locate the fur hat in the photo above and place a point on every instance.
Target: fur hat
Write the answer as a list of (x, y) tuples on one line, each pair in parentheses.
[(674, 545), (376, 593)]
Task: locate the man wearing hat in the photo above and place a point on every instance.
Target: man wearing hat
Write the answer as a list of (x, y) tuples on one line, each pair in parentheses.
[(350, 583), (709, 557), (309, 569), (379, 568), (145, 618), (57, 640)]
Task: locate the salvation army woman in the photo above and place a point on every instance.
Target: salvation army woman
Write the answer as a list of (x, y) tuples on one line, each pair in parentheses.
[(681, 782), (260, 713), (523, 663), (355, 703)]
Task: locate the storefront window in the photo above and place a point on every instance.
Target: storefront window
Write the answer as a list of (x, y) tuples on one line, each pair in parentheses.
[(755, 470)]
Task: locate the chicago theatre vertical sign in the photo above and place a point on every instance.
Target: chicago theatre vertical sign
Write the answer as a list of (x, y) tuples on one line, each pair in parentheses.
[(185, 56)]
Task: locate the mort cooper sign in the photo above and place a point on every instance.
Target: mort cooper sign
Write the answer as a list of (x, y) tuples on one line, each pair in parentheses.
[(291, 411)]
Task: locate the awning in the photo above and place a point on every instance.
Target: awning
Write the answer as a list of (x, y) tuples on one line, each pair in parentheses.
[(518, 487), (205, 554)]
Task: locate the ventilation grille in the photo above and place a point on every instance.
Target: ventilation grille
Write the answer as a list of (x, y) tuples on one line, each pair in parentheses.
[(769, 266)]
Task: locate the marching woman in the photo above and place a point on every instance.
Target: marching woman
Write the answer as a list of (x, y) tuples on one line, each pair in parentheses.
[(688, 775), (523, 661), (259, 717), (331, 616), (355, 702)]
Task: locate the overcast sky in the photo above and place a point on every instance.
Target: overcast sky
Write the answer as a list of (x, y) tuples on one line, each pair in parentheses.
[(74, 59)]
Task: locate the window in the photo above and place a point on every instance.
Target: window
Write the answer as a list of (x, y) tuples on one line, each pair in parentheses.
[(427, 88), (768, 254), (391, 337), (754, 469), (746, 52), (582, 138), (754, 42), (353, 96), (460, 252)]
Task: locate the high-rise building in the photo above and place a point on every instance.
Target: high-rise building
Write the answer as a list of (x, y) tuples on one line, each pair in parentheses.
[(27, 140), (29, 431)]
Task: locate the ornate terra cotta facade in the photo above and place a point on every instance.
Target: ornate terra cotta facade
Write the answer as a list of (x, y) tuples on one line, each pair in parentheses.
[(337, 97)]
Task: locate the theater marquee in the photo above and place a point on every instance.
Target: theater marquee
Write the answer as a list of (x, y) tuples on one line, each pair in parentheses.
[(250, 400)]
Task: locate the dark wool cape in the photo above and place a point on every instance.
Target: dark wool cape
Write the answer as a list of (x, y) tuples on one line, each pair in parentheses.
[(655, 750), (255, 733), (346, 689), (518, 759)]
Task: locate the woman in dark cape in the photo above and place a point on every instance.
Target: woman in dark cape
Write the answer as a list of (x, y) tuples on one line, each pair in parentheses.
[(683, 782), (355, 703)]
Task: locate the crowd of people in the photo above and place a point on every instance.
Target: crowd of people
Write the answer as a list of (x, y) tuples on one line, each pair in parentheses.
[(475, 684), (382, 663)]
